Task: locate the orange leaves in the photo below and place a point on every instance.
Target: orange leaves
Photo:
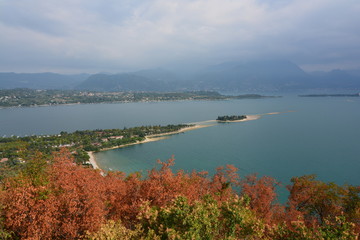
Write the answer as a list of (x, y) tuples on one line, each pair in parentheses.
[(29, 211), (74, 200), (63, 200), (314, 200), (65, 206), (222, 183), (262, 196), (80, 196)]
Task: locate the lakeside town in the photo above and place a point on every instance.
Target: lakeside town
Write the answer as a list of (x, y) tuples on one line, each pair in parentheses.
[(22, 97)]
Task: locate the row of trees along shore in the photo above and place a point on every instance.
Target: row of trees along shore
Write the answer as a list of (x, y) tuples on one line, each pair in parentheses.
[(17, 149), (50, 197)]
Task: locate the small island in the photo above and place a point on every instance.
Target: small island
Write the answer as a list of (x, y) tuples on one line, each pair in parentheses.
[(232, 118)]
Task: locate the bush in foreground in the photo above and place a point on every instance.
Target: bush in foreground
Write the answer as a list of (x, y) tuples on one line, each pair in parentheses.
[(61, 200)]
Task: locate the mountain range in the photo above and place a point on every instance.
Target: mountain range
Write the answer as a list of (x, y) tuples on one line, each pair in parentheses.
[(255, 76), (9, 80)]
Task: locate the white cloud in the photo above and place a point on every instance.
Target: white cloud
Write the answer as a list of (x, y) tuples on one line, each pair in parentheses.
[(111, 35)]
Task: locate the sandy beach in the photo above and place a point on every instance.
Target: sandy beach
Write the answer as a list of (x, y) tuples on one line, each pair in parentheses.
[(92, 160), (158, 137), (196, 126)]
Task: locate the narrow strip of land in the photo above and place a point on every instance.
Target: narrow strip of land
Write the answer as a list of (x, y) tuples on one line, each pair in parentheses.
[(194, 126), (161, 136)]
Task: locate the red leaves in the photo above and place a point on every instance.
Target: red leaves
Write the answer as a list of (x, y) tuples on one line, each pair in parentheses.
[(79, 195), (313, 200), (29, 211), (221, 183), (63, 200), (67, 205), (262, 197)]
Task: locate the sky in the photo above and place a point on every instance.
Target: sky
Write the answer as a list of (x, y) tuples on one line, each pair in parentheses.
[(75, 36)]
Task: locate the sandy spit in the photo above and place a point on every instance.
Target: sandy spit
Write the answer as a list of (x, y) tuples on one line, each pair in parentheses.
[(161, 136)]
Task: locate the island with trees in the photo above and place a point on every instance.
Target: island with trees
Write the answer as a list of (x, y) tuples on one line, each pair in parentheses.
[(232, 118)]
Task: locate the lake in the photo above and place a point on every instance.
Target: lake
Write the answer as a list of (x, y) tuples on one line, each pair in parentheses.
[(321, 136)]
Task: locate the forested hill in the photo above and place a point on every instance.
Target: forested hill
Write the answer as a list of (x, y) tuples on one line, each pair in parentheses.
[(123, 82), (255, 76), (12, 80)]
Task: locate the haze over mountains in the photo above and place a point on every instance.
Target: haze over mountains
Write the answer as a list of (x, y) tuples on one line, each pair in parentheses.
[(254, 77), (9, 80)]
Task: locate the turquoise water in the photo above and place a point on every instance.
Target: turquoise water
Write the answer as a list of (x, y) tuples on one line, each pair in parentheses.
[(321, 137)]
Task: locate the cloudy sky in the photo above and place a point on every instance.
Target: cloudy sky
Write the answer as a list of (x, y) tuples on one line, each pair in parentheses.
[(72, 36)]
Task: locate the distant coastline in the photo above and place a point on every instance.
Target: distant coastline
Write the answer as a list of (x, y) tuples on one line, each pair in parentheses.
[(331, 95), (42, 98)]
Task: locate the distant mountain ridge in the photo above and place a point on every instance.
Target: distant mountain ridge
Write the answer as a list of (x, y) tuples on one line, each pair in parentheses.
[(120, 82), (144, 80), (255, 76), (9, 80)]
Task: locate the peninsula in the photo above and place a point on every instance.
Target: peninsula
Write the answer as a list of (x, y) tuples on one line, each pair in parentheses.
[(13, 150), (82, 144)]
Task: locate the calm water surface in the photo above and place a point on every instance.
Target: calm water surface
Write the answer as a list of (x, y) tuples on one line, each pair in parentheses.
[(321, 137)]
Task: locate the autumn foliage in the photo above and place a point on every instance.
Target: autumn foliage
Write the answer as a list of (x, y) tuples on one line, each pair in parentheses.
[(61, 200)]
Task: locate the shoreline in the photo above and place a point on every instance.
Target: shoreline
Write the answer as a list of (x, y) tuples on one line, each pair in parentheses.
[(226, 98), (92, 160), (150, 138), (161, 136), (146, 140)]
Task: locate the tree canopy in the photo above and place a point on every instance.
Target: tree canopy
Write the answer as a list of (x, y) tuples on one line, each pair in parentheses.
[(63, 200)]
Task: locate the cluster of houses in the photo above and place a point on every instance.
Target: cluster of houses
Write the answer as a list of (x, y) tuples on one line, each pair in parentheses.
[(112, 137)]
